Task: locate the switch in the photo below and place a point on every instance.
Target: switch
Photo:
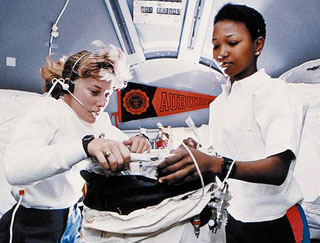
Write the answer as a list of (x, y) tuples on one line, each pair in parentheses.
[(11, 61)]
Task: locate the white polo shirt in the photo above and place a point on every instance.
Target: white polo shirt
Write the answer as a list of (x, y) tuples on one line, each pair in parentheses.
[(256, 119)]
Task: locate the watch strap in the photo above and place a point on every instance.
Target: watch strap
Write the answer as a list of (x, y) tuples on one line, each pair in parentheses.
[(85, 142), (225, 167), (143, 135)]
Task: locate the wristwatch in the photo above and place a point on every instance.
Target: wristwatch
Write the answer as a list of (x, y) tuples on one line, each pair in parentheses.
[(225, 167), (85, 141)]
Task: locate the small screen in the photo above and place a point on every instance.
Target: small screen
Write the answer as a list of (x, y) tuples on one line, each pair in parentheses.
[(146, 9), (170, 11)]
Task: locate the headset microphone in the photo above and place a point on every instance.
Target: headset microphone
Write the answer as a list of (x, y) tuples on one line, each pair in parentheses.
[(65, 87), (94, 113)]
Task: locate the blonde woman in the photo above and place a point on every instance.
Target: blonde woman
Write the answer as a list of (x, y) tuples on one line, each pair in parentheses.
[(54, 138)]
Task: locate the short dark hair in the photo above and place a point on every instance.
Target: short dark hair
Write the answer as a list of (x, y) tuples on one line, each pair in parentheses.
[(242, 13)]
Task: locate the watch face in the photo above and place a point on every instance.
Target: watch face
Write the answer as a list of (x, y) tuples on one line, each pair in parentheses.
[(88, 138)]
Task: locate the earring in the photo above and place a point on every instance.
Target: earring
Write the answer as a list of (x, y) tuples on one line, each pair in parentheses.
[(257, 53)]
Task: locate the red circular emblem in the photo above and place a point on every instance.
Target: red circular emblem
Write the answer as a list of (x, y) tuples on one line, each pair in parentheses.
[(136, 101)]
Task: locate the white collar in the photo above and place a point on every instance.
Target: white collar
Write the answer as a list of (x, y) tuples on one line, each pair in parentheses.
[(247, 84)]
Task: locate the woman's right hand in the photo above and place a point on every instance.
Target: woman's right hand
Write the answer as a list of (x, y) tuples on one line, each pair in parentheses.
[(180, 167), (110, 154)]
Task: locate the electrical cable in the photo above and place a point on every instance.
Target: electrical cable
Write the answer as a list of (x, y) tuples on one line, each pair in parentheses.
[(235, 158), (21, 194), (189, 123), (220, 186), (65, 87), (160, 126), (54, 33), (197, 167)]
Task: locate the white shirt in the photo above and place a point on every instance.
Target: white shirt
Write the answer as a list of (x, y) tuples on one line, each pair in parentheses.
[(45, 154), (254, 120)]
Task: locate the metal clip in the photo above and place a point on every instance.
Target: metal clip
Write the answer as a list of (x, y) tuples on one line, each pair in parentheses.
[(218, 208)]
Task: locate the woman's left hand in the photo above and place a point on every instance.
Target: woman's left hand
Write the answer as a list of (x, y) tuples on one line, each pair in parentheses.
[(138, 144)]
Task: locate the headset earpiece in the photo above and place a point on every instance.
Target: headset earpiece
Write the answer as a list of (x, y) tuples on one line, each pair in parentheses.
[(67, 85), (59, 86), (64, 86), (70, 84)]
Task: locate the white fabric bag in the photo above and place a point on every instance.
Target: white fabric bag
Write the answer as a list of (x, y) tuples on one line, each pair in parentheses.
[(169, 221), (305, 81)]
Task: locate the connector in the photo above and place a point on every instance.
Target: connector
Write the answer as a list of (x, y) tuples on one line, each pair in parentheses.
[(21, 192), (196, 222), (54, 27), (54, 31)]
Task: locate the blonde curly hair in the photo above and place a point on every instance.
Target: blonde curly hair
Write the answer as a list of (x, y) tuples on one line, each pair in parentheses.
[(109, 64)]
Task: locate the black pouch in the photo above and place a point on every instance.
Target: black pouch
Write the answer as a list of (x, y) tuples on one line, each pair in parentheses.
[(126, 193)]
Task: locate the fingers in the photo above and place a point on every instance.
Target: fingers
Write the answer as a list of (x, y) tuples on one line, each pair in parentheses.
[(115, 155), (127, 142), (143, 147), (102, 159), (188, 178), (111, 154), (125, 155), (176, 155), (180, 176), (173, 167), (146, 148), (176, 169), (138, 144), (190, 142), (170, 160), (119, 158)]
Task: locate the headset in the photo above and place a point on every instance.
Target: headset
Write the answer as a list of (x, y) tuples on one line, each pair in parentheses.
[(68, 88), (67, 85)]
